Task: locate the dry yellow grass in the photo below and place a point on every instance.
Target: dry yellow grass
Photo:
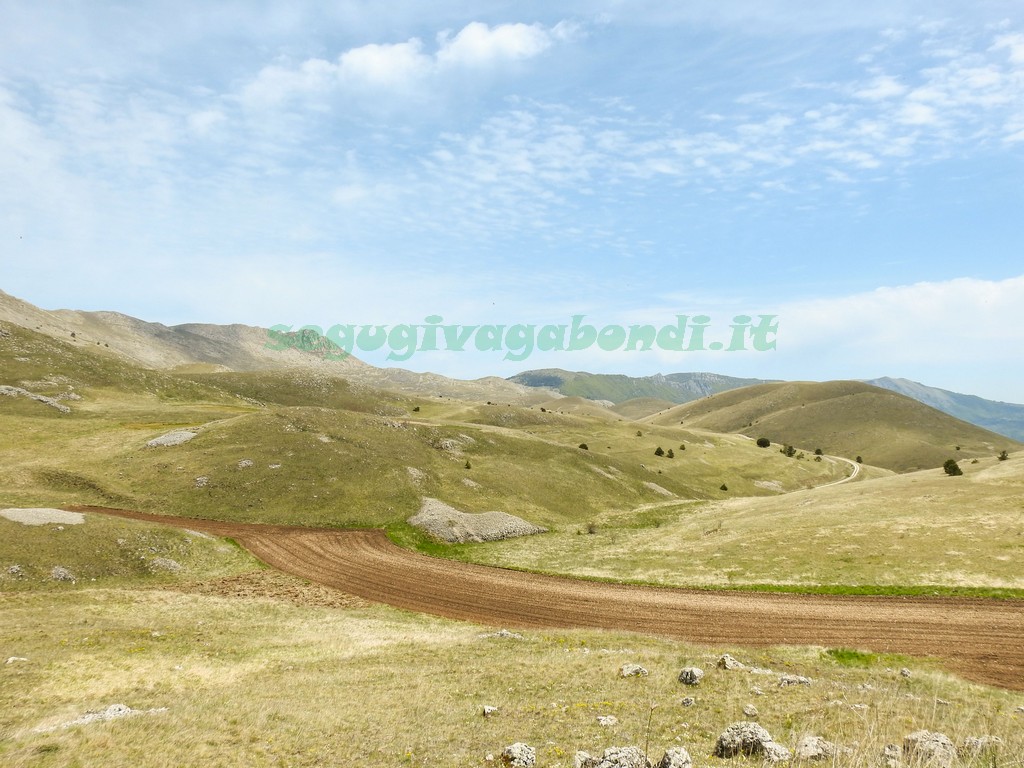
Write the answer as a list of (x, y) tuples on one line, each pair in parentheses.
[(254, 682)]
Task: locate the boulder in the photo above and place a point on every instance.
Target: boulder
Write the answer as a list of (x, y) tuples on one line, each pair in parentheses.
[(676, 757), (632, 670), (691, 676), (787, 680), (614, 757), (931, 749), (743, 738), (518, 755), (815, 748), (728, 662)]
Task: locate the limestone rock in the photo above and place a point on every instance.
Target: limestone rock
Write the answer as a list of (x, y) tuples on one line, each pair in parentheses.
[(931, 749), (691, 676), (518, 755)]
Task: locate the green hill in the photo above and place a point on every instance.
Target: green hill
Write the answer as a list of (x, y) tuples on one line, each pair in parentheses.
[(845, 418), (675, 387)]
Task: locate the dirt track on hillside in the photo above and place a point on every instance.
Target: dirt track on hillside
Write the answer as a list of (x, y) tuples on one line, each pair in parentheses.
[(982, 640)]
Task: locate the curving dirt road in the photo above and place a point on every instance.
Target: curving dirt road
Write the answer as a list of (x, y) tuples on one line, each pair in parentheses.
[(981, 639)]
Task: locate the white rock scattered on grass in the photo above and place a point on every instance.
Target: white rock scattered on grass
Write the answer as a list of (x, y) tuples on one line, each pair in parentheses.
[(787, 680), (273, 466), (16, 391), (614, 757), (691, 675), (676, 757), (815, 748), (444, 522), (245, 463), (931, 748), (113, 712), (688, 701), (42, 516), (503, 634), (489, 711), (60, 573), (607, 720), (904, 672), (165, 564), (728, 662), (176, 437), (749, 710), (743, 739), (973, 746), (776, 753), (16, 571), (757, 691), (632, 670), (15, 659), (519, 755), (202, 481), (892, 755)]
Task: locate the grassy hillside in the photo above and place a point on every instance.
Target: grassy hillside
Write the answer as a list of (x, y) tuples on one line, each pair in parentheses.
[(641, 407), (675, 387), (898, 532), (1003, 418), (844, 418), (304, 448)]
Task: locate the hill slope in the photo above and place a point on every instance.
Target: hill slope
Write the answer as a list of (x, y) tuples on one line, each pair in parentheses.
[(674, 387), (1004, 418), (846, 418)]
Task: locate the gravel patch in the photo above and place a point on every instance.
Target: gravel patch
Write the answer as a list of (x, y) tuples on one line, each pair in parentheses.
[(658, 489), (42, 516), (449, 524)]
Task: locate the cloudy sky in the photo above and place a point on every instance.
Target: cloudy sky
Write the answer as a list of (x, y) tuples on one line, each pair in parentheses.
[(856, 169)]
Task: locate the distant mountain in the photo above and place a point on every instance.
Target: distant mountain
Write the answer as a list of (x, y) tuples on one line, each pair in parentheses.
[(197, 348), (845, 418), (615, 388), (1004, 418)]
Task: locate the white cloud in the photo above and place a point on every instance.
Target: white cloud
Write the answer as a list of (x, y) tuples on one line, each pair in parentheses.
[(882, 87), (478, 45), (399, 66)]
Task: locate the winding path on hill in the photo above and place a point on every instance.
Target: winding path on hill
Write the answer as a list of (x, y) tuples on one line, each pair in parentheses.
[(981, 639)]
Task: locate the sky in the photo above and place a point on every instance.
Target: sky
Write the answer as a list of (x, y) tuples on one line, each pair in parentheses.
[(855, 170)]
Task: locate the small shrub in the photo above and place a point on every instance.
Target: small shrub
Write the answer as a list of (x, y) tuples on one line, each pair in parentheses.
[(789, 451), (584, 447), (723, 487), (468, 465), (952, 468), (682, 447), (416, 409), (670, 454), (817, 458), (763, 442), (639, 433), (860, 460), (591, 528), (659, 451), (1003, 456), (818, 452)]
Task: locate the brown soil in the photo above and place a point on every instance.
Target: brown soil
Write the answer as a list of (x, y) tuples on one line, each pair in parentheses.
[(981, 639)]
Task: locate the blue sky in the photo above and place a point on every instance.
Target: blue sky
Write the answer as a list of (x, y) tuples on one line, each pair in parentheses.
[(855, 169)]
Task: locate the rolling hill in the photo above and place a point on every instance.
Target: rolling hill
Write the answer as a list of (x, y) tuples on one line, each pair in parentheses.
[(846, 418), (615, 388), (1004, 418)]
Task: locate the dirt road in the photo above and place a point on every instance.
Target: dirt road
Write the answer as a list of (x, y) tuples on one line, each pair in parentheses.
[(981, 639)]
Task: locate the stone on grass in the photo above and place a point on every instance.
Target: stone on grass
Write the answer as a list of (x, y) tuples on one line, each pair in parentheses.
[(743, 738), (749, 710), (518, 755), (904, 672), (776, 753), (632, 670), (60, 573), (728, 662), (691, 676), (614, 757), (929, 748), (688, 701), (607, 720), (815, 748), (973, 746), (892, 755), (787, 680), (676, 757), (489, 711)]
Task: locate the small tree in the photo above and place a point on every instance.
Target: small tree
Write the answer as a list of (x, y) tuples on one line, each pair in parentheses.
[(682, 446), (860, 460), (1004, 456), (468, 465), (763, 442), (671, 454), (723, 487), (818, 452), (952, 468), (659, 451), (789, 450), (584, 446), (639, 433)]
